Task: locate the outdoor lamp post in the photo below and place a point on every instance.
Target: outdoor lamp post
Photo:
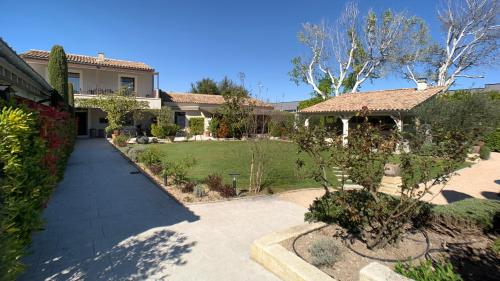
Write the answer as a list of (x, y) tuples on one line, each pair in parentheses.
[(234, 175)]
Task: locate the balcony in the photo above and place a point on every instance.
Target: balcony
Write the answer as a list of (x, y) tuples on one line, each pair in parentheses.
[(99, 91)]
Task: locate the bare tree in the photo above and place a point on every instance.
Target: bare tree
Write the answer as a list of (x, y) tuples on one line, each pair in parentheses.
[(348, 52), (472, 34)]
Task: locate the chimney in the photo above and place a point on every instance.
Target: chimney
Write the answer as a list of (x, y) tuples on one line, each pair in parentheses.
[(100, 57), (422, 84)]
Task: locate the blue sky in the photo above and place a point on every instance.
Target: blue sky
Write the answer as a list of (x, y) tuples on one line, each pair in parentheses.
[(188, 40)]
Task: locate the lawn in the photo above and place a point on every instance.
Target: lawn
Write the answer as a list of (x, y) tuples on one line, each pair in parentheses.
[(228, 157)]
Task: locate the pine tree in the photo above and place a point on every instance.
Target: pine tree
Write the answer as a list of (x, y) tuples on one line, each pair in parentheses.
[(58, 71)]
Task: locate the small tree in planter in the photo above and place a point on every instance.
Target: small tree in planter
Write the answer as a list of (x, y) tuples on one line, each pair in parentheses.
[(116, 106), (376, 218)]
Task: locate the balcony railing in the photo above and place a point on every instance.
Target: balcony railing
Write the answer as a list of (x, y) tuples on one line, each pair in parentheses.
[(99, 91)]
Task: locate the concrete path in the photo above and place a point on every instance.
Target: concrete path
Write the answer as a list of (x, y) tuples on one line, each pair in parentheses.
[(107, 222), (481, 180)]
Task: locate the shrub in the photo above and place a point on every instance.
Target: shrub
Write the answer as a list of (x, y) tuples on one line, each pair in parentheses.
[(121, 140), (58, 71), (35, 143), (495, 247), (134, 152), (484, 152), (142, 140), (479, 212), (426, 271), (324, 252), (157, 131), (150, 157), (214, 182), (178, 170), (227, 191), (199, 191), (493, 140), (188, 187), (213, 125), (163, 131), (196, 125), (354, 209), (222, 130)]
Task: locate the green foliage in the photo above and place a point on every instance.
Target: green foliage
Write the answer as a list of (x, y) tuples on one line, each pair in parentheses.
[(71, 95), (196, 125), (310, 102), (324, 252), (484, 152), (28, 173), (480, 212), (121, 140), (178, 170), (150, 157), (493, 140), (495, 247), (116, 106), (213, 126), (281, 124), (205, 86), (426, 271), (134, 152), (163, 131), (58, 71), (474, 114)]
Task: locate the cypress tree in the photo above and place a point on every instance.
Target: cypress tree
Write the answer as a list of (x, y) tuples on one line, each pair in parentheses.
[(58, 71), (71, 97)]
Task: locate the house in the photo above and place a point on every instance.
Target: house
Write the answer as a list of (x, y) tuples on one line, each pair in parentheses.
[(288, 106), (187, 105), (97, 75), (390, 107), (19, 80)]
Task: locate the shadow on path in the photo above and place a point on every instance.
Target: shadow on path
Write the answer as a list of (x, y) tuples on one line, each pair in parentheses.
[(454, 196), (491, 195), (104, 222)]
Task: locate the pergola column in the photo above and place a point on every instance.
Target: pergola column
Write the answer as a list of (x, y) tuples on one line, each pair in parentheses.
[(399, 122), (306, 122), (345, 128)]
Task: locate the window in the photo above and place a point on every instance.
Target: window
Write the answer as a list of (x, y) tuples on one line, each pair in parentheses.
[(103, 120), (127, 83), (74, 78)]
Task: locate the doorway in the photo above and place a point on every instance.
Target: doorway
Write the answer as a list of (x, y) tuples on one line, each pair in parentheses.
[(81, 121)]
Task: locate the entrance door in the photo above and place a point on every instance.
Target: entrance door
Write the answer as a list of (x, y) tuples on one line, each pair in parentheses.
[(81, 122), (180, 119)]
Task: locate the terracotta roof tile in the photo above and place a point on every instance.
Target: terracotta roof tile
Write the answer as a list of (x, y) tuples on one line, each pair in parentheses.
[(386, 100), (208, 99), (88, 60)]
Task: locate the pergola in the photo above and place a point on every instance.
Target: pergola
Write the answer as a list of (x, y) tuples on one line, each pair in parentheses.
[(395, 104)]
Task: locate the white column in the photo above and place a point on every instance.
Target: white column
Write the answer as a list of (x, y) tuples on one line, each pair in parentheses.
[(206, 124), (345, 128), (306, 122), (399, 123)]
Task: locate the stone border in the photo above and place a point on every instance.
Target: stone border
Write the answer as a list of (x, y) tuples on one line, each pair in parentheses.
[(268, 252)]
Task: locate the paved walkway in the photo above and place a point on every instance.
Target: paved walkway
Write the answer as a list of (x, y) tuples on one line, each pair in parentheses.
[(481, 180), (104, 222)]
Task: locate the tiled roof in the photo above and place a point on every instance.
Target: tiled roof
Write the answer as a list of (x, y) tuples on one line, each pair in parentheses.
[(88, 60), (386, 100), (208, 99)]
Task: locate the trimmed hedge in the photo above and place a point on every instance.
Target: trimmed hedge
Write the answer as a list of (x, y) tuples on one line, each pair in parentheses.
[(483, 213), (196, 125), (35, 142), (493, 140)]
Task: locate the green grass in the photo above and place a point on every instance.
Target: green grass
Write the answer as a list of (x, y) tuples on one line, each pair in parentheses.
[(479, 211), (223, 158)]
